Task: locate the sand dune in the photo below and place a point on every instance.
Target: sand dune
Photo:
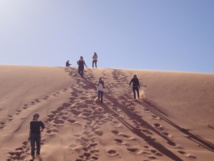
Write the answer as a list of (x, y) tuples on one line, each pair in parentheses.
[(173, 120)]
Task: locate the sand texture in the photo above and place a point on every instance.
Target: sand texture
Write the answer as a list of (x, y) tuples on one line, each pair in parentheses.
[(172, 120)]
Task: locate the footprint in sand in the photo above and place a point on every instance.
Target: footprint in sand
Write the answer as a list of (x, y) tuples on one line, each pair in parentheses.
[(146, 109), (66, 104), (151, 157), (10, 117), (79, 160), (162, 129), (74, 94), (72, 99), (18, 112), (146, 131), (115, 132), (18, 155), (112, 153), (99, 133), (72, 121), (116, 123), (187, 155), (2, 124), (210, 126), (58, 122), (65, 89), (124, 135), (156, 117), (133, 150), (25, 106), (46, 97), (86, 112), (120, 141), (37, 100), (75, 112), (181, 152), (191, 156), (52, 131), (64, 117), (19, 149)]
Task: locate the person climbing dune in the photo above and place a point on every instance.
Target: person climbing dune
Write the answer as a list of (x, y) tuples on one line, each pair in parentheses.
[(135, 86)]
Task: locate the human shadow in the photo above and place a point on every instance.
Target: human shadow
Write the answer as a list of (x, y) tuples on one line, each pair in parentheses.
[(138, 118), (199, 140), (148, 139), (39, 158)]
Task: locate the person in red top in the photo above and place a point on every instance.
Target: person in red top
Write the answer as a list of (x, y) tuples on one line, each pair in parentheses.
[(36, 127), (135, 86)]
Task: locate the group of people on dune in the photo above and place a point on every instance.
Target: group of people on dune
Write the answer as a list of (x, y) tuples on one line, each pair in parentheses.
[(81, 63), (37, 126), (100, 84)]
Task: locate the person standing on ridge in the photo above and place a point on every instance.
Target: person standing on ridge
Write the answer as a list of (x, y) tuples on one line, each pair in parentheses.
[(135, 86), (36, 127), (94, 62), (100, 89), (81, 64)]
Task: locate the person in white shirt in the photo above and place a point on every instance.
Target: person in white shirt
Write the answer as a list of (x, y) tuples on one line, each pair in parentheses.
[(100, 89)]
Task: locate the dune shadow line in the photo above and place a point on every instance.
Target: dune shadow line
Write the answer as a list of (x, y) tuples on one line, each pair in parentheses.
[(138, 118), (199, 140), (148, 139)]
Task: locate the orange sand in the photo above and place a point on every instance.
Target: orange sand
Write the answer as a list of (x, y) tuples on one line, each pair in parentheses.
[(173, 120)]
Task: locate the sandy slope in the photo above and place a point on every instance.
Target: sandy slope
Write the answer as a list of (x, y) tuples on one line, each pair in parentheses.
[(173, 121)]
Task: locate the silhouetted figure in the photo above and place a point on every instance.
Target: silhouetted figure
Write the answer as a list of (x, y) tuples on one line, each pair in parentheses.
[(135, 86), (67, 64), (36, 127), (95, 59), (81, 64), (100, 89)]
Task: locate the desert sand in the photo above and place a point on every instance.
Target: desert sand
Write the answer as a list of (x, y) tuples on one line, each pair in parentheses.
[(173, 119)]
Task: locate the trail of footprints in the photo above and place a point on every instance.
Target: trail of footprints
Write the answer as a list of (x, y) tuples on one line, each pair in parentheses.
[(95, 117), (145, 150), (163, 131), (59, 117), (120, 140), (22, 152), (29, 105)]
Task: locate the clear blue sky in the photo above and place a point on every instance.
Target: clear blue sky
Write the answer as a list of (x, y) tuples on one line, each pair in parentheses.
[(165, 35)]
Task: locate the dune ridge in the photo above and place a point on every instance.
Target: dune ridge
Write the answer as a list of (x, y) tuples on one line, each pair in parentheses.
[(173, 120)]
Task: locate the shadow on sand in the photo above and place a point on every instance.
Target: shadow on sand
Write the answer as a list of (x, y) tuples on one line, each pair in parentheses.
[(148, 139), (199, 140)]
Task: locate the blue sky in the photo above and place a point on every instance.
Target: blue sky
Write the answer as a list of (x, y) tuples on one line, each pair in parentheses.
[(163, 35)]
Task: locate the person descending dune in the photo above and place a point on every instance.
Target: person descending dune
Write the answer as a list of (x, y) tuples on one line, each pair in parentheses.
[(81, 64), (100, 89)]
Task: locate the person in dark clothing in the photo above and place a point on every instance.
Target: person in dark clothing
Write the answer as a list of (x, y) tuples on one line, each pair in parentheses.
[(67, 64), (36, 127), (94, 62), (135, 86), (81, 64)]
